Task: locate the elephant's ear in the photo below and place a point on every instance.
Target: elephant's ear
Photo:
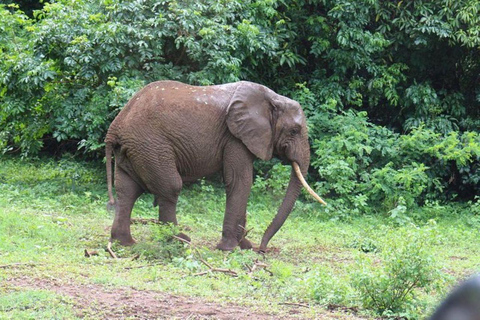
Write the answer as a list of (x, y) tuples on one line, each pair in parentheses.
[(249, 118)]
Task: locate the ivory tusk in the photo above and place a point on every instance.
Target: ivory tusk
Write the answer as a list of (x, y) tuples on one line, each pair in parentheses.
[(305, 184)]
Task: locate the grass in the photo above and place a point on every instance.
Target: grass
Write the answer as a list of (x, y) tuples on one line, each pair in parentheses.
[(51, 211)]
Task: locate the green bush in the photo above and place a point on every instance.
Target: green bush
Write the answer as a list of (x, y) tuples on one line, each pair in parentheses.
[(407, 269), (361, 166), (273, 178), (328, 288), (163, 246), (66, 73)]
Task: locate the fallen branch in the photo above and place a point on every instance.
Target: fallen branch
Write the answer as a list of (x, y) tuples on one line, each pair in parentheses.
[(295, 304), (135, 257), (256, 266), (88, 254), (245, 232), (213, 269), (142, 266), (110, 251), (208, 265), (181, 239), (199, 274), (18, 264), (226, 271)]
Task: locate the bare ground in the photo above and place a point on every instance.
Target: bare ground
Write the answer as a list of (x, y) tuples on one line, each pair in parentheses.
[(100, 302)]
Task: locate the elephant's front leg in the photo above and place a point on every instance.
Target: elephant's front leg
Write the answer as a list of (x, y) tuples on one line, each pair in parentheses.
[(238, 176)]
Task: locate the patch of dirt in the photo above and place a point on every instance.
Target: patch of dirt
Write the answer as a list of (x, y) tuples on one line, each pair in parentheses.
[(100, 302), (120, 303)]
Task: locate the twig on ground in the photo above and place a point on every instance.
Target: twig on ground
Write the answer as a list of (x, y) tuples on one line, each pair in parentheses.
[(258, 265), (226, 271), (18, 264), (295, 304), (142, 266), (110, 251), (245, 232), (181, 239), (135, 257), (208, 265), (198, 274), (88, 254)]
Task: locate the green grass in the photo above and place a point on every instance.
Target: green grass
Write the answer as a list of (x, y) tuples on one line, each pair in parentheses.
[(51, 211), (35, 304)]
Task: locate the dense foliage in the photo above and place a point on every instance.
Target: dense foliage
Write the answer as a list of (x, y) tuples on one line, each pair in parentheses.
[(390, 88)]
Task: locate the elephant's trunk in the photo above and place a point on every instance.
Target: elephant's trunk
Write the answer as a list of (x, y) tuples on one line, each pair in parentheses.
[(291, 195), (293, 190)]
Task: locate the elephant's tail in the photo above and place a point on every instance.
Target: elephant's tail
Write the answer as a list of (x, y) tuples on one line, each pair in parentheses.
[(108, 156)]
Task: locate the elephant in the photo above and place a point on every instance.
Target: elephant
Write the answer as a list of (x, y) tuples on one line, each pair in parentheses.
[(170, 133), (463, 303)]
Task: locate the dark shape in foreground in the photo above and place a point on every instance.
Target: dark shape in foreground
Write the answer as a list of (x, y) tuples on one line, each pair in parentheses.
[(462, 304)]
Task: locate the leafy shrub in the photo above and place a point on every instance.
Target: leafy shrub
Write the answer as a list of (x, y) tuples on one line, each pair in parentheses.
[(66, 73), (163, 246), (408, 267), (327, 287), (361, 166), (272, 178)]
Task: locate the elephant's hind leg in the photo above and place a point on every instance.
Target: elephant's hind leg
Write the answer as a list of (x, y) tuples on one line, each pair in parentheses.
[(164, 181), (128, 192)]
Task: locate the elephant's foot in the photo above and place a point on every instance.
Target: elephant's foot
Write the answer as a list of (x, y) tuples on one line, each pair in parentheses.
[(227, 244), (245, 244), (231, 244), (124, 238)]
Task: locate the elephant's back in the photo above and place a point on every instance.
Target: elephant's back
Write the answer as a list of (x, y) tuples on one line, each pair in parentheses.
[(169, 100), (189, 119)]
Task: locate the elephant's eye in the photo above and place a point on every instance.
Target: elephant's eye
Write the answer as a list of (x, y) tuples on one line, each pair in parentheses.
[(294, 132)]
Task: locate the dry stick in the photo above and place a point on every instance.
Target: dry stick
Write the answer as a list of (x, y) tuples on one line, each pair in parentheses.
[(88, 254), (258, 264), (109, 249), (245, 231), (142, 266), (135, 257), (295, 304), (18, 264), (181, 239)]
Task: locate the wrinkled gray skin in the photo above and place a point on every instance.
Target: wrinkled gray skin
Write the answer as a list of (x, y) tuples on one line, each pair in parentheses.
[(462, 304), (170, 133)]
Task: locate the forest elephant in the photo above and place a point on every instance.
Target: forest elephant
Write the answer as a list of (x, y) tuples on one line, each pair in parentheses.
[(170, 133)]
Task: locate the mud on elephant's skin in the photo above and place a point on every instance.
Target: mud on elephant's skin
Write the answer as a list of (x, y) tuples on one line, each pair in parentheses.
[(170, 133)]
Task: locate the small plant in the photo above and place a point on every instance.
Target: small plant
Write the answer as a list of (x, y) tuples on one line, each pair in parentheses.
[(389, 287), (364, 244), (162, 246), (328, 288), (475, 206)]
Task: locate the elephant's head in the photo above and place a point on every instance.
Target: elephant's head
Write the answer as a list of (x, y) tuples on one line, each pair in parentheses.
[(270, 124)]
